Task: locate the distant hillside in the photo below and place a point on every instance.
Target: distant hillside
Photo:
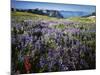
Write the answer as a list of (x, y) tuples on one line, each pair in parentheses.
[(56, 13), (51, 13)]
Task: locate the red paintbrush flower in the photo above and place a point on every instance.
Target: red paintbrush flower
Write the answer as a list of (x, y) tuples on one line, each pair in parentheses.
[(27, 64)]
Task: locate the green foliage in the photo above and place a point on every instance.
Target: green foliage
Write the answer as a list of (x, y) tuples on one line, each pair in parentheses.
[(60, 26), (82, 19), (51, 43), (21, 16)]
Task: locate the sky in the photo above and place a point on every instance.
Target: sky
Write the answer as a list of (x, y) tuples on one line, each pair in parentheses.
[(83, 2), (52, 6)]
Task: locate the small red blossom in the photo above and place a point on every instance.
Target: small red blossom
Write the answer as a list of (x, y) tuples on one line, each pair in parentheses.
[(27, 64)]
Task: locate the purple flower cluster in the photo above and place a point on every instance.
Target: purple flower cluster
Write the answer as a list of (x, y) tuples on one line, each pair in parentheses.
[(52, 49)]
